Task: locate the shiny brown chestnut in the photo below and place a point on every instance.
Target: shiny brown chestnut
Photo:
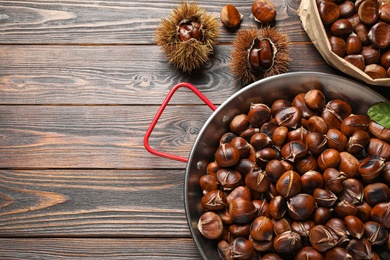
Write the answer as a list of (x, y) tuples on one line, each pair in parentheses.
[(242, 146), (345, 208), (289, 184), (381, 213), (289, 117), (242, 211), (375, 193), (279, 137), (258, 181), (353, 44), (305, 164), (260, 141), (302, 227), (240, 191), (337, 45), (228, 179), (357, 142), (294, 150), (329, 12), (375, 233), (281, 225), (227, 155), (299, 102), (353, 191), (371, 167), (324, 198), (341, 27), (301, 206), (315, 99), (214, 200), (212, 169), (338, 253), (349, 165), (375, 71), (371, 54), (262, 207), (355, 226), (278, 105), (210, 225), (275, 170), (262, 229), (311, 180), (364, 211), (336, 139), (379, 131), (334, 179), (335, 111), (353, 122), (347, 8), (339, 227), (316, 142), (239, 230), (278, 207), (208, 183), (241, 248), (329, 158), (308, 253), (265, 155), (317, 124), (379, 35), (322, 238), (258, 114), (361, 31), (271, 256), (356, 60), (298, 134), (368, 12), (379, 147), (239, 123), (322, 215), (359, 248), (287, 242)]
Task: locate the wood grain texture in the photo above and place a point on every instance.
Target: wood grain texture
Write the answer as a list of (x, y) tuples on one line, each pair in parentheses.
[(115, 75), (76, 248), (95, 136), (116, 22), (92, 203)]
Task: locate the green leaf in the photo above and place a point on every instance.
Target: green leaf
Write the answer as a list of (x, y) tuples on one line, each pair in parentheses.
[(380, 113)]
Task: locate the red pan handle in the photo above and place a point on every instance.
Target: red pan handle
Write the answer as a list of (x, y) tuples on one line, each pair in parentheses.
[(160, 111)]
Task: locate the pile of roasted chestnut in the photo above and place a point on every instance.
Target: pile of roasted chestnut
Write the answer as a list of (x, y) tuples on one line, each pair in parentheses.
[(359, 32), (299, 179)]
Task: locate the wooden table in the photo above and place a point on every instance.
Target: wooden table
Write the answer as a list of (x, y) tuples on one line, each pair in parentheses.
[(80, 81)]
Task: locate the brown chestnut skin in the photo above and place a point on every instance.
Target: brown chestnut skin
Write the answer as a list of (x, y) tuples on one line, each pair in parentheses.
[(294, 150), (357, 142), (329, 12), (316, 142), (381, 214), (278, 207), (281, 225), (214, 200), (375, 233), (264, 11), (263, 208), (239, 123), (368, 12), (228, 179), (227, 155), (338, 253), (352, 123), (317, 124), (278, 105), (258, 181), (242, 146), (242, 211), (364, 211), (210, 225), (379, 147), (371, 54), (240, 191), (308, 253), (359, 248), (258, 114), (345, 208), (315, 99), (379, 131), (260, 141), (384, 60), (339, 227), (311, 180), (347, 8), (371, 167), (262, 229), (341, 27), (241, 248), (336, 139), (353, 44), (375, 193), (208, 183), (287, 242), (275, 170), (289, 184), (353, 191), (356, 60), (299, 102), (322, 238), (301, 206), (329, 158), (375, 71), (237, 230), (337, 45), (355, 226), (289, 117), (361, 31), (322, 214), (334, 179), (305, 164), (230, 17), (271, 256), (379, 35), (324, 198)]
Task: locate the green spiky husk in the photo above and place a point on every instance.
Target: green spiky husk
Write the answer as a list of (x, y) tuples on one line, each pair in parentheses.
[(192, 54), (239, 64)]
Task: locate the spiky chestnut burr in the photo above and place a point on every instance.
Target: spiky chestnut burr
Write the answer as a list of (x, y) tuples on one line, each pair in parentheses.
[(259, 53), (187, 36)]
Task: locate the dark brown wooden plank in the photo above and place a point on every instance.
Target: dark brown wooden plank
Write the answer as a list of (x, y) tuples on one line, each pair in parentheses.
[(118, 22), (75, 248), (92, 203), (95, 136), (119, 74)]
